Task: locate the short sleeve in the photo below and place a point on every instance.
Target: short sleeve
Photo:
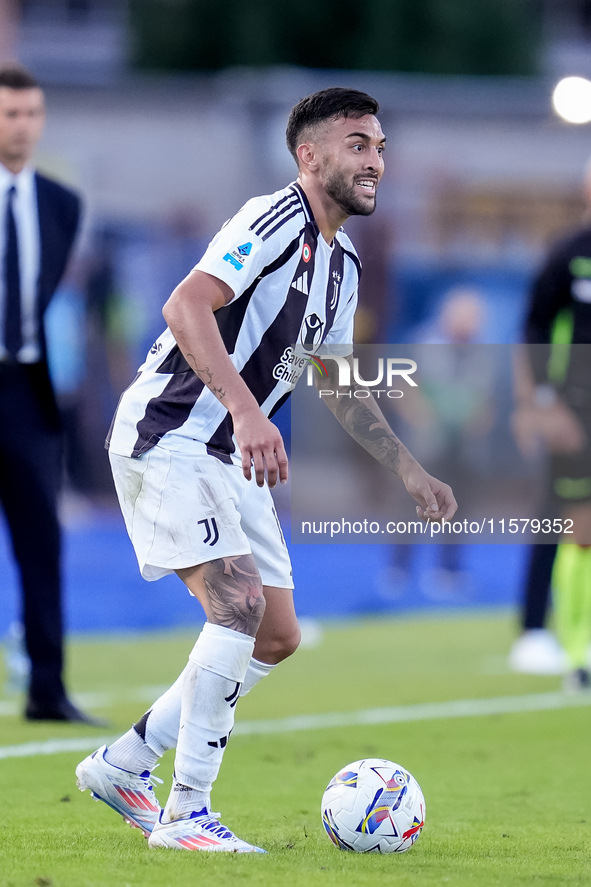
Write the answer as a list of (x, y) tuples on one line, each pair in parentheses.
[(236, 255)]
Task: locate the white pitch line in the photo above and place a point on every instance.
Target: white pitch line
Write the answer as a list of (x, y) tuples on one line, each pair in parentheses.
[(98, 700), (459, 708), (54, 746), (9, 708)]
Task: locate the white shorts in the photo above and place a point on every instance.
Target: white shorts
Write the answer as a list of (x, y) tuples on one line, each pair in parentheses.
[(184, 509)]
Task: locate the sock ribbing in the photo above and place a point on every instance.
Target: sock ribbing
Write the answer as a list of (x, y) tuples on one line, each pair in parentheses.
[(131, 753)]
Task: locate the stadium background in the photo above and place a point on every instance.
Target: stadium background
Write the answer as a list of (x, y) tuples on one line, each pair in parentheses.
[(167, 128)]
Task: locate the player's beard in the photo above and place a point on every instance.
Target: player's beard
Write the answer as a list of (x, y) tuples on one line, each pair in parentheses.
[(346, 196)]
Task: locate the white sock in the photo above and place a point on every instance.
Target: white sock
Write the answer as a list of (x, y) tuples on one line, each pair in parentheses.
[(211, 685), (130, 752), (162, 725), (184, 800), (255, 672)]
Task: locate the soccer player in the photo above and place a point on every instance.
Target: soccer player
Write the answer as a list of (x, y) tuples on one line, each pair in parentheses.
[(194, 453)]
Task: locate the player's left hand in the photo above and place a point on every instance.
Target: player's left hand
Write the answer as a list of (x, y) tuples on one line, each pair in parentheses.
[(436, 499)]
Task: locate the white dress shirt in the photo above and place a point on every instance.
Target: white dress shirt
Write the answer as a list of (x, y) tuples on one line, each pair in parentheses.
[(29, 253)]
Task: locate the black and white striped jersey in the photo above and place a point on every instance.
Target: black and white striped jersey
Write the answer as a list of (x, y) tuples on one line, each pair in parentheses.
[(290, 289)]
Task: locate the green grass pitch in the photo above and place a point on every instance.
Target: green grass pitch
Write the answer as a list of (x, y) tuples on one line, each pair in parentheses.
[(508, 795)]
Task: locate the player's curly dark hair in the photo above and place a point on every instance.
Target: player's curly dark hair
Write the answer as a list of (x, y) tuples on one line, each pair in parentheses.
[(14, 76), (328, 104)]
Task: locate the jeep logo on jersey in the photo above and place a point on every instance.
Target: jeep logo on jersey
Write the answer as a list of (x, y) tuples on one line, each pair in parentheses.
[(238, 256), (311, 333)]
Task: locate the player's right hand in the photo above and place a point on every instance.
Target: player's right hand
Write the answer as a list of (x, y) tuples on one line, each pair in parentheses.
[(262, 448)]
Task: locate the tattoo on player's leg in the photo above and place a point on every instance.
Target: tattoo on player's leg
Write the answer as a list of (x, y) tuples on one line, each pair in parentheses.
[(235, 593)]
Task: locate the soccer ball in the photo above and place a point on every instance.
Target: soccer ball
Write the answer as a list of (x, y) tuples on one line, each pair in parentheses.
[(373, 806)]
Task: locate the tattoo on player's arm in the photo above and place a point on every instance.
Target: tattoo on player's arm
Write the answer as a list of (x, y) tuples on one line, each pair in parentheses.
[(206, 377), (369, 430), (235, 593)]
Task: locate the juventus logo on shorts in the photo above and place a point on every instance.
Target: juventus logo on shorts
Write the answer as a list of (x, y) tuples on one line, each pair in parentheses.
[(211, 530)]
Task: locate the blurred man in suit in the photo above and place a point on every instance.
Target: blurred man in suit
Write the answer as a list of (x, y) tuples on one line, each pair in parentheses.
[(38, 223)]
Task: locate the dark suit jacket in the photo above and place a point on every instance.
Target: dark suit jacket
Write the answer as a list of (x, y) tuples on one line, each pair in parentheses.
[(59, 215)]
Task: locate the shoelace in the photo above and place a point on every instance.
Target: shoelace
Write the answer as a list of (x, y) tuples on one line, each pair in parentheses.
[(211, 822), (148, 775)]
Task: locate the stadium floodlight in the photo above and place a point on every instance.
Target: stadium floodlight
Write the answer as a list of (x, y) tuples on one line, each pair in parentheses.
[(571, 99)]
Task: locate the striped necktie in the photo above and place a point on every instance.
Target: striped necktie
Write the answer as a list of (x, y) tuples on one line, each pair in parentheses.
[(12, 283)]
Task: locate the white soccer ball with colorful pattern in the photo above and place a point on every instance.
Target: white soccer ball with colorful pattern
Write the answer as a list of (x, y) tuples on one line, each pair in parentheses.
[(373, 806)]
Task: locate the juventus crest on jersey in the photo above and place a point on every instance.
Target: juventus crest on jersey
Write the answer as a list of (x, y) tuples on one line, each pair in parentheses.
[(293, 294)]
